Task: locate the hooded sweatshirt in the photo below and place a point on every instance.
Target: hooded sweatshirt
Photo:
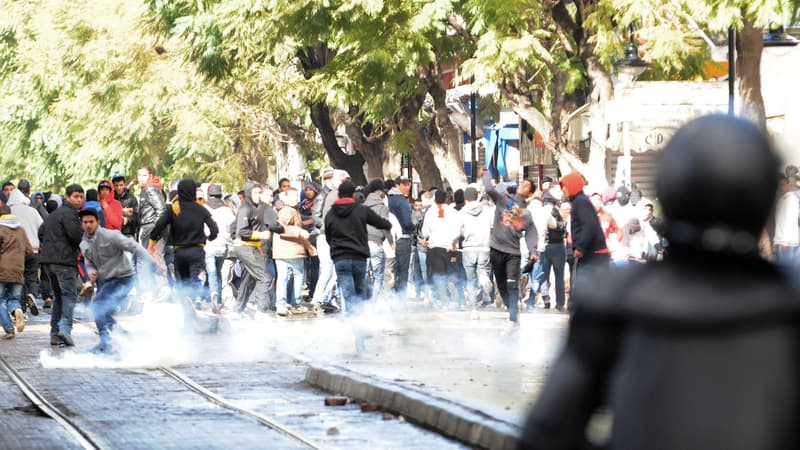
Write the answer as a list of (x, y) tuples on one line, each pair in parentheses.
[(14, 247), (112, 208), (186, 218), (292, 243), (346, 229), (587, 234), (476, 226), (508, 230), (374, 201), (27, 216)]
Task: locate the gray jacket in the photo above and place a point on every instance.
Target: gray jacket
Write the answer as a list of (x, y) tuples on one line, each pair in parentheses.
[(105, 254), (374, 201)]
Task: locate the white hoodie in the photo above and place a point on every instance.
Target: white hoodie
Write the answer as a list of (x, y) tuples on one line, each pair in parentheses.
[(28, 217)]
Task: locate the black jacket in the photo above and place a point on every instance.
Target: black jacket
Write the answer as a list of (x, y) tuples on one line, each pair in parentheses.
[(346, 229), (152, 204), (699, 351), (186, 220), (587, 234), (60, 236), (128, 200)]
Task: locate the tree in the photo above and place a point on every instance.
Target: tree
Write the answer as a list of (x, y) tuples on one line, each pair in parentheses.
[(87, 93)]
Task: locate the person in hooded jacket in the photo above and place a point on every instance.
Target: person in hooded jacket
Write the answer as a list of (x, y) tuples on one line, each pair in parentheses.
[(25, 187), (375, 237), (475, 224), (588, 241), (112, 208), (14, 248), (187, 221), (249, 232), (93, 203), (312, 202), (30, 220), (346, 231), (289, 250), (698, 351)]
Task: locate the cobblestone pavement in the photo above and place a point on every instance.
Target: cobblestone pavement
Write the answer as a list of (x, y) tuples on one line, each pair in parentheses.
[(126, 403)]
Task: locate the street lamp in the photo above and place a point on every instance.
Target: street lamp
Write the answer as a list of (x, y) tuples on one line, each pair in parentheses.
[(631, 66), (777, 37)]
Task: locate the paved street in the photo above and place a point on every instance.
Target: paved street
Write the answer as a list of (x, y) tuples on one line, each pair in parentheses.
[(259, 364)]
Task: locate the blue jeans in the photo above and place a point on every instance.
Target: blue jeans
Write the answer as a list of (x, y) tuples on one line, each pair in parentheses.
[(402, 260), (9, 302), (555, 256), (478, 268), (377, 258), (289, 268), (213, 263), (109, 295), (327, 274), (351, 275), (65, 295)]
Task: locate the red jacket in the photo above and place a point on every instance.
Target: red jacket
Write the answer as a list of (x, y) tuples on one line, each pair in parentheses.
[(112, 209)]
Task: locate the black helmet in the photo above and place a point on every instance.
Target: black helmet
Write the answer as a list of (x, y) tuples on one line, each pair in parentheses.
[(716, 183)]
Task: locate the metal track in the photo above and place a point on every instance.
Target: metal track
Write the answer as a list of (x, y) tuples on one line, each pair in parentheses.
[(216, 399), (46, 407)]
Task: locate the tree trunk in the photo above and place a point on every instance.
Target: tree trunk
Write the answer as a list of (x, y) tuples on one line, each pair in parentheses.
[(369, 145), (749, 45), (421, 156), (602, 91), (452, 144), (353, 164)]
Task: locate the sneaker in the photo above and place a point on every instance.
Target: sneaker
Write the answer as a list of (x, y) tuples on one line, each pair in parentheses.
[(299, 310), (283, 311), (546, 301), (510, 328), (9, 335), (55, 340), (101, 349), (19, 320), (66, 339), (559, 308), (31, 304)]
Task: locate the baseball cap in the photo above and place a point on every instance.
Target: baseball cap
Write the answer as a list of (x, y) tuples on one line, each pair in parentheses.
[(105, 184), (116, 177), (215, 190), (327, 173), (402, 179)]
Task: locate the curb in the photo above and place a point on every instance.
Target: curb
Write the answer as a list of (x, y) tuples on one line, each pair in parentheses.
[(449, 418)]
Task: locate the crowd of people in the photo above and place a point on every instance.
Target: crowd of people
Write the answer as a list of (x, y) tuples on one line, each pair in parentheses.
[(305, 247)]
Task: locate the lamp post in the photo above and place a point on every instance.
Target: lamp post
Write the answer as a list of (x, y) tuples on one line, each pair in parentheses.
[(629, 67), (473, 132)]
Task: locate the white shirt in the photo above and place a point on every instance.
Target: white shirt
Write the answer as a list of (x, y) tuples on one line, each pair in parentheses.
[(787, 212)]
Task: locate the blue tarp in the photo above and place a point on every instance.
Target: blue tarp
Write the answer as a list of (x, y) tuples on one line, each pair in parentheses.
[(499, 139)]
